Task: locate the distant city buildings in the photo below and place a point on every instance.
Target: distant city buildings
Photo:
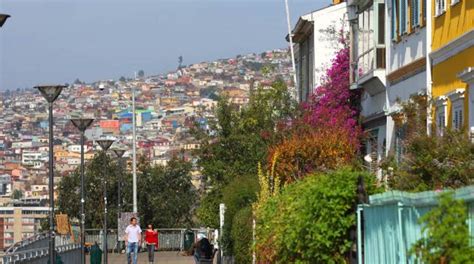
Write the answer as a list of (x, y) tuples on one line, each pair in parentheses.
[(168, 106)]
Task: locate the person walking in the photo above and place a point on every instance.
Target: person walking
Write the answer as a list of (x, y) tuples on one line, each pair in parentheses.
[(133, 237), (151, 240)]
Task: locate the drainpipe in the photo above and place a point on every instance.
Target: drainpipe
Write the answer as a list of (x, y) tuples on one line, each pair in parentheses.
[(429, 93)]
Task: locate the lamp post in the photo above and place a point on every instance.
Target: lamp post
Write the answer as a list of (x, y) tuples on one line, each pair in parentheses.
[(119, 152), (3, 19), (51, 93), (105, 145), (134, 152), (82, 124)]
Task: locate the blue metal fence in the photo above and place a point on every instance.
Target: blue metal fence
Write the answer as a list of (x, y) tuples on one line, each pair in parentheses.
[(388, 226)]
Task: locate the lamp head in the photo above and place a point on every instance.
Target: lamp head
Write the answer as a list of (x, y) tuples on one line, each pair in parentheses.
[(50, 92)]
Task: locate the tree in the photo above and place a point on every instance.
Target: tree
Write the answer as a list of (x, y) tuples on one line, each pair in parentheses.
[(141, 74), (122, 79), (447, 234), (77, 81), (17, 194), (69, 192), (239, 140), (167, 196)]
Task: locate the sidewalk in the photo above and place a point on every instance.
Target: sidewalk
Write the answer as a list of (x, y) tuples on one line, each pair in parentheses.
[(161, 257)]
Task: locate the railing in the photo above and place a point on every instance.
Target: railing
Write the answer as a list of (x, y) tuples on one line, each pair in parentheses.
[(70, 253), (29, 243), (369, 60), (168, 238)]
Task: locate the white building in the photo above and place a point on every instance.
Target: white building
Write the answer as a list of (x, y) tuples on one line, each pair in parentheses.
[(406, 63), (32, 158), (316, 41), (368, 61)]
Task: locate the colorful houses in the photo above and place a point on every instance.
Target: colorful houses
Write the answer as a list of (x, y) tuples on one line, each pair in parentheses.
[(399, 49)]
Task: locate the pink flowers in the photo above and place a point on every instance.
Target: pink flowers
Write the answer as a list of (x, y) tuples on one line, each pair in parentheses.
[(333, 104)]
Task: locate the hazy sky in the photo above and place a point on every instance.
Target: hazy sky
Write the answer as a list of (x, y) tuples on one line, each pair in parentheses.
[(56, 41)]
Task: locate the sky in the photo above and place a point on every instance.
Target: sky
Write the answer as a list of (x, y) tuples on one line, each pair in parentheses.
[(57, 41)]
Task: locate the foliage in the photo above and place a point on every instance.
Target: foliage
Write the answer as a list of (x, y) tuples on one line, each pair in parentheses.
[(447, 233), (313, 151), (17, 194), (428, 162), (238, 194), (165, 194), (333, 105), (239, 139), (94, 173), (327, 134), (141, 73), (208, 210), (309, 221), (269, 184), (122, 79), (242, 234)]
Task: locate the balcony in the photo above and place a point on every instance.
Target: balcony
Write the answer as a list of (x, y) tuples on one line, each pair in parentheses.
[(369, 71)]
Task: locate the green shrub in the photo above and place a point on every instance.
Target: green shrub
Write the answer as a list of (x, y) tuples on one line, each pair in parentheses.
[(309, 222), (447, 234), (238, 194), (208, 210), (242, 235)]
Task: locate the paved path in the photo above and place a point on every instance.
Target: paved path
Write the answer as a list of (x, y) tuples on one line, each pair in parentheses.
[(160, 258)]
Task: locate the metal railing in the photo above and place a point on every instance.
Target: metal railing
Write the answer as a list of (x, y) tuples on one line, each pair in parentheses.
[(70, 253)]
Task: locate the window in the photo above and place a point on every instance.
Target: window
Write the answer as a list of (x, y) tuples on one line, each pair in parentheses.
[(458, 117), (453, 2), (457, 108), (440, 7), (441, 105), (403, 17), (395, 19), (414, 13)]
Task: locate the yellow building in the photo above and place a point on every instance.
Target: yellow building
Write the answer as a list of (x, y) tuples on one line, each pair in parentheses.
[(453, 64)]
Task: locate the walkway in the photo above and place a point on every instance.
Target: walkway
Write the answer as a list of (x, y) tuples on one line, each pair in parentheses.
[(160, 258)]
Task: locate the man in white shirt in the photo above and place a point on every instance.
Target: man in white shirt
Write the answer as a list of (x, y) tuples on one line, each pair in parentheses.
[(133, 238)]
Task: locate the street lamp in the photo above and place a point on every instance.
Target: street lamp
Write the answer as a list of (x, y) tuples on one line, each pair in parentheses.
[(82, 124), (51, 93), (105, 145), (119, 152), (3, 19)]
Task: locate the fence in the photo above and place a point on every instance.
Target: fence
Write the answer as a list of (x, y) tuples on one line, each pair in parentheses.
[(169, 239), (388, 226)]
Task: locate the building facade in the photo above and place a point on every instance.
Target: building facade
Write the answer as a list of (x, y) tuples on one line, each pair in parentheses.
[(452, 59), (20, 223), (368, 62), (406, 62), (316, 41)]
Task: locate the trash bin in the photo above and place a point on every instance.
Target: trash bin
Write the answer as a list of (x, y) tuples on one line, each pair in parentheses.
[(188, 239), (58, 259), (96, 254)]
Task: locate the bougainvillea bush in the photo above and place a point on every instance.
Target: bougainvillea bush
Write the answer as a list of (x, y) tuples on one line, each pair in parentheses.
[(327, 134), (310, 220)]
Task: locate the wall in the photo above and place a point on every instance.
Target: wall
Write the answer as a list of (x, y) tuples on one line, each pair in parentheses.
[(445, 79), (457, 20)]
